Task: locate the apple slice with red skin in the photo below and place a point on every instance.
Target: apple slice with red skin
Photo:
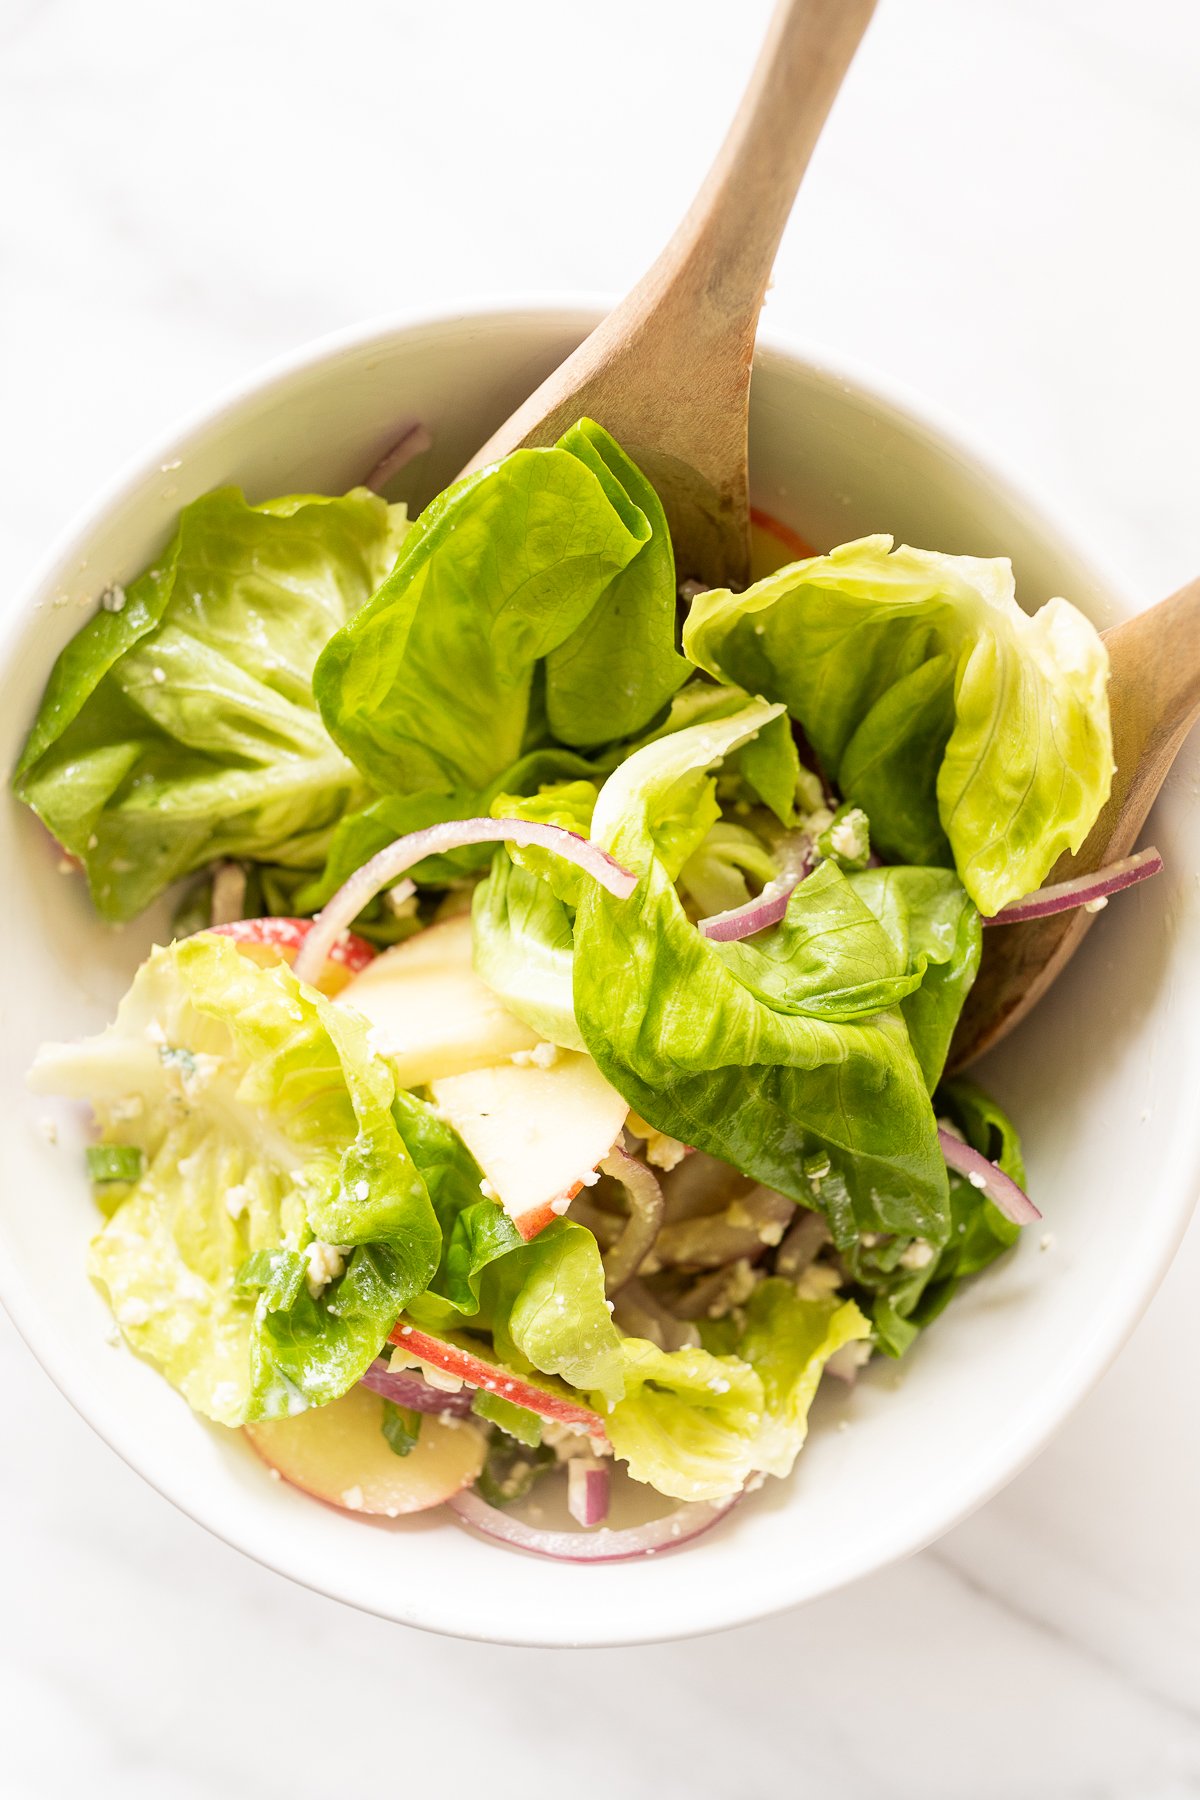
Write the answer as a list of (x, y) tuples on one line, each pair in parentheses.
[(537, 1130), (279, 940), (494, 1379), (338, 1453)]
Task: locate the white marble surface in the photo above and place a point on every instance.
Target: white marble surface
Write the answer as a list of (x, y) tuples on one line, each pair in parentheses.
[(1003, 214)]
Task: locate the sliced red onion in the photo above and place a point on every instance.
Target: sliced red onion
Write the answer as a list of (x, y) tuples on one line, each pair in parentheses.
[(405, 1389), (1000, 1188), (645, 1217), (588, 1490), (387, 865), (1083, 890), (671, 1533), (416, 439), (769, 907)]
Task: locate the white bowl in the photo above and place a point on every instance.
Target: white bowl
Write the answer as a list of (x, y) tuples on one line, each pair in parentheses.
[(1101, 1081)]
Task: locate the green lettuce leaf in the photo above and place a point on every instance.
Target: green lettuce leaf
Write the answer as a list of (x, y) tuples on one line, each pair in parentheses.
[(689, 1423), (545, 1306), (619, 666), (432, 686), (182, 728), (832, 1112), (971, 733), (524, 949), (904, 1292), (787, 1341), (935, 929), (266, 1126)]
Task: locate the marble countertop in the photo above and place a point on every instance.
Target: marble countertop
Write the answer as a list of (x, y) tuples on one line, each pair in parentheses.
[(1002, 215)]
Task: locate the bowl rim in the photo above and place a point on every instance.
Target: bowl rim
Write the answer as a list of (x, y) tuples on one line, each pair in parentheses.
[(856, 380)]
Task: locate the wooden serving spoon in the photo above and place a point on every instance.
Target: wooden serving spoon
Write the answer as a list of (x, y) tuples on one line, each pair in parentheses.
[(668, 371), (1154, 694)]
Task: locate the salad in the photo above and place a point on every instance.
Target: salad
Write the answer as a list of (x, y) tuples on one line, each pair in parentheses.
[(544, 1086)]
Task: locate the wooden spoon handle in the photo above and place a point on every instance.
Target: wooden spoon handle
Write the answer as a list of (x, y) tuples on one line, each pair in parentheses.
[(1154, 693), (668, 371)]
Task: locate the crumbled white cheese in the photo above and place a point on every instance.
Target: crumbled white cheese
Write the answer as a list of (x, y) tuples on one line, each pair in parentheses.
[(353, 1498), (1096, 905), (323, 1264), (362, 1190), (560, 1205), (441, 1380), (977, 1180), (113, 598), (1048, 1241), (818, 1281), (771, 1232), (918, 1255), (849, 836), (849, 1358), (664, 1152), (590, 1180), (542, 1056), (237, 1199), (160, 675)]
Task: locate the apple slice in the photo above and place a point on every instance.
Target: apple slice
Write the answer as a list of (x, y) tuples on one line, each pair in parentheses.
[(536, 1130), (279, 940), (431, 1013), (339, 1453), (493, 1378)]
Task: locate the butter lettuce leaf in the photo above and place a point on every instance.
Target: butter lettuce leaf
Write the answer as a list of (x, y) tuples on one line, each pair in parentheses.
[(905, 1293), (689, 1423), (619, 667), (787, 1341), (545, 1305), (973, 735), (266, 1127), (831, 1111), (510, 612), (182, 728)]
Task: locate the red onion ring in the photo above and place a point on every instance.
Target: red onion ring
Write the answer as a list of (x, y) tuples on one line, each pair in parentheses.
[(602, 1546), (1000, 1188), (1082, 890), (769, 907), (646, 1208), (387, 865), (403, 1388), (588, 1491), (413, 442)]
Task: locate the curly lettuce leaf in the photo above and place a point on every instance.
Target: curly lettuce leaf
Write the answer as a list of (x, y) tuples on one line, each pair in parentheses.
[(831, 1111), (266, 1126), (182, 727), (972, 734)]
